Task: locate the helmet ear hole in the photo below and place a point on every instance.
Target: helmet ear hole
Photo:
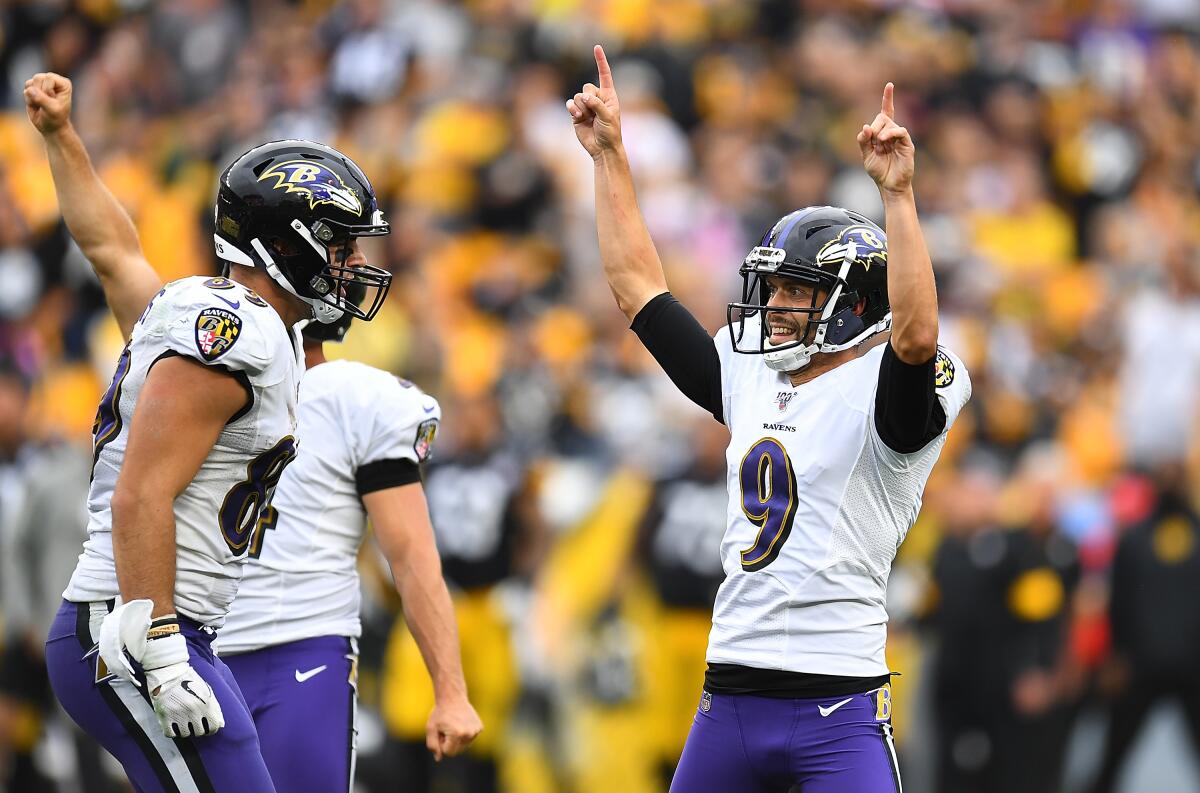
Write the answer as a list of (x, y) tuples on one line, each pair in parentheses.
[(860, 307)]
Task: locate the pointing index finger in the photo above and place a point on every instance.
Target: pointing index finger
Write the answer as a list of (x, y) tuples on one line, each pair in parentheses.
[(606, 80), (888, 107)]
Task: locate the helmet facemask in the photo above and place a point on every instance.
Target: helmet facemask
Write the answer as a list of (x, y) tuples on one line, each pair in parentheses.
[(356, 290), (829, 323), (311, 265)]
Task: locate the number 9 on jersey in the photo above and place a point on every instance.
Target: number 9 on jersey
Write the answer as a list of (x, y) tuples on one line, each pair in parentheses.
[(768, 500)]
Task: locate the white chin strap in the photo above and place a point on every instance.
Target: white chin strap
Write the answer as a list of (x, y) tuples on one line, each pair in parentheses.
[(793, 359), (322, 312), (796, 358)]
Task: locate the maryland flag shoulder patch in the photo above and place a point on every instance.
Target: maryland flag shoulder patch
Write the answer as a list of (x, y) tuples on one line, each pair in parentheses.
[(217, 330), (943, 370), (426, 432)]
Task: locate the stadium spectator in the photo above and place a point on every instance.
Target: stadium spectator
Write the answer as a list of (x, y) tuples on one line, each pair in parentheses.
[(1155, 629)]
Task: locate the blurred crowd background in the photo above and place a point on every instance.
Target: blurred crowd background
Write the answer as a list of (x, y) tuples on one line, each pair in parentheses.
[(1045, 610)]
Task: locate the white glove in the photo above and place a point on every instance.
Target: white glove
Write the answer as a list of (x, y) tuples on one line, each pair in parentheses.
[(184, 703), (125, 628)]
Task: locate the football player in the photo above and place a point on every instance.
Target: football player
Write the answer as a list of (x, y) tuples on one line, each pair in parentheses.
[(476, 498), (834, 428), (290, 637)]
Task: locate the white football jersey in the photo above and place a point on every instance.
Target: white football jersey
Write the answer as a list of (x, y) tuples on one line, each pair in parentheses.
[(304, 582), (223, 324), (818, 506)]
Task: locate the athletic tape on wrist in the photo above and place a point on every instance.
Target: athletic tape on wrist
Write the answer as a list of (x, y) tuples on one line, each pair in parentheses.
[(164, 626)]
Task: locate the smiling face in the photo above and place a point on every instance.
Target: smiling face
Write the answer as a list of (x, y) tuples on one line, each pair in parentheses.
[(787, 326)]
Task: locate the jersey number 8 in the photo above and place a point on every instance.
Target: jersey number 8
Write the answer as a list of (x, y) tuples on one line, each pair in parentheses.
[(768, 500), (246, 512), (108, 414)]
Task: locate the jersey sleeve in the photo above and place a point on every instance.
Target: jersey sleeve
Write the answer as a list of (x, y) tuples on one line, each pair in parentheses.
[(951, 383), (219, 328), (404, 429)]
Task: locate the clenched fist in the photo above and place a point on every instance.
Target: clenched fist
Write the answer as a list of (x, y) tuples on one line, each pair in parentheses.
[(451, 728), (48, 102)]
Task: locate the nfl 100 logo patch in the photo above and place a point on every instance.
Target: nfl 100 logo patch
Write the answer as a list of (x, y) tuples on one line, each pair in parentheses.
[(783, 398), (217, 330)]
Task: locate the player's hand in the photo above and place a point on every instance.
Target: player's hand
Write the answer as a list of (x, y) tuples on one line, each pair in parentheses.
[(48, 102), (595, 111), (887, 149), (451, 728), (184, 703)]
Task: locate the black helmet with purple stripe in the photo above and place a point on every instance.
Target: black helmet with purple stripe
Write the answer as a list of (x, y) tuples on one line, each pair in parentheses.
[(842, 256), (294, 208)]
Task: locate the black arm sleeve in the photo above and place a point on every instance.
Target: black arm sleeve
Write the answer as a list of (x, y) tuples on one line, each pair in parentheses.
[(908, 413), (683, 349), (382, 474)]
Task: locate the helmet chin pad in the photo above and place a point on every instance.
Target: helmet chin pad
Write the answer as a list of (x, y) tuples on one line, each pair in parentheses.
[(323, 312), (792, 359)]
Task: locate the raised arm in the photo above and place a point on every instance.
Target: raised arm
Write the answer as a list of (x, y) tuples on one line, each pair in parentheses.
[(672, 335), (94, 217), (402, 527), (889, 157), (631, 263)]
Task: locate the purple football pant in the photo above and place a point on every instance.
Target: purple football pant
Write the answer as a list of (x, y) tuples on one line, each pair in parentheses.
[(754, 744), (303, 698), (119, 715)]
